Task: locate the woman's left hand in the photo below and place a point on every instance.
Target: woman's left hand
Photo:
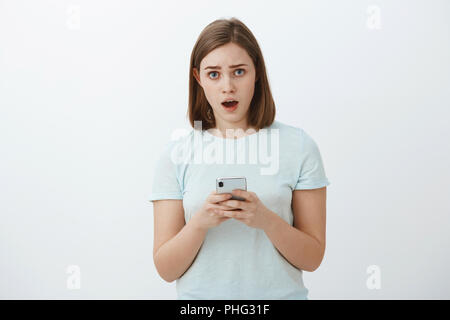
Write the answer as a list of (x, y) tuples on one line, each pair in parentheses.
[(253, 212)]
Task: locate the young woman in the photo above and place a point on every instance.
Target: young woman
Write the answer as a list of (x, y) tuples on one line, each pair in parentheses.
[(217, 248)]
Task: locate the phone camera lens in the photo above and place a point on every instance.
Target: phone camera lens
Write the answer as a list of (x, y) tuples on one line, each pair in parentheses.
[(221, 184)]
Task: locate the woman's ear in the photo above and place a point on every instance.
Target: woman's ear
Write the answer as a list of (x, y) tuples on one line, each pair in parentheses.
[(197, 76)]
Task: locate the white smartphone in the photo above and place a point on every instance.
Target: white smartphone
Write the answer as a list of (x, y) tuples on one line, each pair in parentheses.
[(228, 184)]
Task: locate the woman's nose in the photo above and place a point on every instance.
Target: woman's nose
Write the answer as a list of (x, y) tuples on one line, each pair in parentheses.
[(228, 84)]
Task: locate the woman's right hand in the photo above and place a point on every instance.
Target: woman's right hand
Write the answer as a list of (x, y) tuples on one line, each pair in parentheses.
[(209, 214)]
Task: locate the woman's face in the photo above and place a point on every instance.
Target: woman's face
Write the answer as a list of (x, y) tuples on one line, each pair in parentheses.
[(226, 73)]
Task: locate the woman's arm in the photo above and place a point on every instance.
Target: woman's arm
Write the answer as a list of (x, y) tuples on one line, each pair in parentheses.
[(176, 243), (303, 244)]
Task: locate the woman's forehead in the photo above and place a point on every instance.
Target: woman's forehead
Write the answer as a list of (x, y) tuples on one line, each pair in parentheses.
[(226, 56)]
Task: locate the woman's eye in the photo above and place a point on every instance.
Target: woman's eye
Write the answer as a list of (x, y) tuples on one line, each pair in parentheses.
[(212, 72)]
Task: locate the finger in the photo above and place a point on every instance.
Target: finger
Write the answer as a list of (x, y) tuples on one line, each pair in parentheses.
[(218, 197), (235, 204), (221, 207), (243, 194), (219, 210), (234, 214)]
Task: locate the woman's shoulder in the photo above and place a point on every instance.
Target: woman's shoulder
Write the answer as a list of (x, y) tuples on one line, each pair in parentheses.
[(287, 131), (291, 136), (179, 137), (175, 142)]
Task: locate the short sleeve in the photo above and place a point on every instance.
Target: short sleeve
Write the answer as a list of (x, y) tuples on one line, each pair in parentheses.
[(165, 181), (312, 172)]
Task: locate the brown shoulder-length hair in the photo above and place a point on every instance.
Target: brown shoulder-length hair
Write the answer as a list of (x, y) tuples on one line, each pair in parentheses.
[(217, 33)]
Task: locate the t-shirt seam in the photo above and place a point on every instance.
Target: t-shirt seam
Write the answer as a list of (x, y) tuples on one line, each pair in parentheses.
[(299, 160)]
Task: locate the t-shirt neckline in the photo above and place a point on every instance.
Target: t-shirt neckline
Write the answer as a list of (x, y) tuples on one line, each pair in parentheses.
[(234, 139), (240, 138)]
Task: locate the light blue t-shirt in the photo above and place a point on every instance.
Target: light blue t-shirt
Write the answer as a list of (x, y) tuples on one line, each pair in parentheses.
[(236, 261)]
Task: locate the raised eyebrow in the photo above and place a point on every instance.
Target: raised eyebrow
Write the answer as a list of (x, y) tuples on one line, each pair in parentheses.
[(218, 67)]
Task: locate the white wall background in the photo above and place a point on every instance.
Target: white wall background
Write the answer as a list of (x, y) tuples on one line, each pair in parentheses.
[(91, 90)]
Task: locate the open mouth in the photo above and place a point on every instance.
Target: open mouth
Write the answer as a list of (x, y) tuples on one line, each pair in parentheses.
[(229, 104)]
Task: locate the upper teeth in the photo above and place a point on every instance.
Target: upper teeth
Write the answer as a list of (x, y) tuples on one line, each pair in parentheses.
[(230, 100)]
